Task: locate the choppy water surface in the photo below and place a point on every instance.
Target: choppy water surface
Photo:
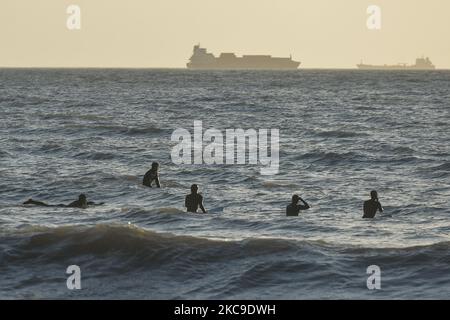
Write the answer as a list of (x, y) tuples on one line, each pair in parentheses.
[(342, 133)]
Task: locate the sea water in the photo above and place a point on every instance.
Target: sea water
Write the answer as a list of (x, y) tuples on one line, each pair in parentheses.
[(342, 134)]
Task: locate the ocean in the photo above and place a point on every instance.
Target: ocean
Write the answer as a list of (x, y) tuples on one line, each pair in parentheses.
[(342, 134)]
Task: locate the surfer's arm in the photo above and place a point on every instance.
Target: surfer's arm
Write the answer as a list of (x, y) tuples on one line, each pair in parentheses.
[(201, 205), (380, 207), (157, 182), (305, 205)]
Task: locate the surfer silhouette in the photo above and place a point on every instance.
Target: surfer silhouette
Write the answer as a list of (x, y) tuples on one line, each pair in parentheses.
[(372, 206), (194, 200), (80, 203), (152, 175), (294, 208)]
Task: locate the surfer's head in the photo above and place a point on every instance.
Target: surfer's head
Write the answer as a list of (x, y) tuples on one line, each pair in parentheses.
[(295, 198), (374, 195), (194, 188), (155, 165)]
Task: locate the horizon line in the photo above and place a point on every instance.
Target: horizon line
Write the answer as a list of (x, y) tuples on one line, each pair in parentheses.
[(181, 68)]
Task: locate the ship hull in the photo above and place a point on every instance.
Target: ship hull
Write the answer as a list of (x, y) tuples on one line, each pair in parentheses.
[(405, 68), (244, 66)]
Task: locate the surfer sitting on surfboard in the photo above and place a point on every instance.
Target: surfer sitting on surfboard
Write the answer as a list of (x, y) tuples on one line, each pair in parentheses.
[(80, 203), (194, 200), (372, 206), (152, 175)]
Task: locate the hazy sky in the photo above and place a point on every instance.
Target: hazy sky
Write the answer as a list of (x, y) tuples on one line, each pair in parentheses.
[(161, 33)]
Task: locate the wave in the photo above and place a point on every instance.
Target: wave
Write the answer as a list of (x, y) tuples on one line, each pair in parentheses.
[(279, 184), (340, 134), (166, 214), (118, 129), (208, 268), (79, 116), (173, 184), (132, 131), (442, 167), (4, 154), (96, 156), (129, 240), (330, 158), (398, 149), (402, 156), (51, 146), (144, 130), (127, 177), (439, 171)]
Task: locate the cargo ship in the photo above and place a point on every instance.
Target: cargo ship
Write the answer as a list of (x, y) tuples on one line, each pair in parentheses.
[(421, 64), (202, 59)]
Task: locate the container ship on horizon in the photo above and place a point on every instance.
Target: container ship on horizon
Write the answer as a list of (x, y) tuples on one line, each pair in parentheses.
[(203, 60), (421, 64)]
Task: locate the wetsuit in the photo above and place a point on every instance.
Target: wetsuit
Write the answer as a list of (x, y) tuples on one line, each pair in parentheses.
[(193, 201), (371, 207), (149, 177), (294, 209)]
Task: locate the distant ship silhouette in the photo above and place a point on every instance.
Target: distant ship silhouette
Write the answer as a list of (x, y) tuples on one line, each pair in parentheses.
[(421, 64), (201, 59)]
